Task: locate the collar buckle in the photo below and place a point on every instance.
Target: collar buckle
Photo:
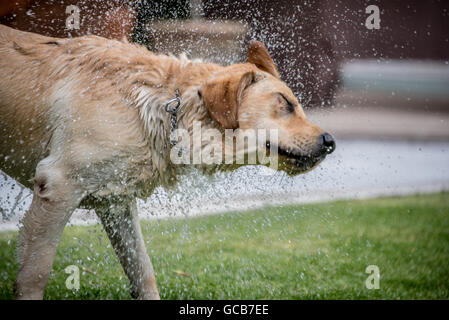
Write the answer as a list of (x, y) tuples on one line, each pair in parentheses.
[(172, 107)]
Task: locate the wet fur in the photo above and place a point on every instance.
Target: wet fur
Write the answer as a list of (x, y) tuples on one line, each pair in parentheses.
[(83, 123)]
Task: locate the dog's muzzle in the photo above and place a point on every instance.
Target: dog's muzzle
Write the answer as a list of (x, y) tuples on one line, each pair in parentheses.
[(295, 162)]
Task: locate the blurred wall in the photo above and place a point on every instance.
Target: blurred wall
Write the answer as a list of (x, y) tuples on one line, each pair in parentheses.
[(412, 29), (111, 19), (310, 39), (291, 31)]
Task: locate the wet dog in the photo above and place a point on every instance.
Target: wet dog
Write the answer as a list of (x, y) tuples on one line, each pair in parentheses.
[(83, 123)]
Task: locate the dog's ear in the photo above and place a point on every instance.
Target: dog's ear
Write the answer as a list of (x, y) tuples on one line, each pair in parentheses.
[(259, 56), (222, 95)]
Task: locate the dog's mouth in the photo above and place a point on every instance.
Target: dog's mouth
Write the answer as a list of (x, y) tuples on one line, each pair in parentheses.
[(294, 163)]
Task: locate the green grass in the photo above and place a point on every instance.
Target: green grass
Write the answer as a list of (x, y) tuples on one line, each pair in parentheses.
[(317, 251)]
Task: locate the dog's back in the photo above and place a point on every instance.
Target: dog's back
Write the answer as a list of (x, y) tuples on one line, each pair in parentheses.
[(51, 84)]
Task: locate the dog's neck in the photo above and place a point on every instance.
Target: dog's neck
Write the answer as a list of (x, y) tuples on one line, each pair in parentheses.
[(150, 99)]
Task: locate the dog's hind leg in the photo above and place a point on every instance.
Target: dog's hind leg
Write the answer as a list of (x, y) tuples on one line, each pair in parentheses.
[(54, 200), (121, 222)]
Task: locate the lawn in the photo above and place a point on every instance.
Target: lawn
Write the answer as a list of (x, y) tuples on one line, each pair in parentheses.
[(317, 251)]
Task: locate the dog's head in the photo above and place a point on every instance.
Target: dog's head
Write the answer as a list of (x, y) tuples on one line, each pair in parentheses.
[(252, 96)]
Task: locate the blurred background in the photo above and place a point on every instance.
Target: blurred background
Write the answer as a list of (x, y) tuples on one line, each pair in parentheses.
[(383, 91)]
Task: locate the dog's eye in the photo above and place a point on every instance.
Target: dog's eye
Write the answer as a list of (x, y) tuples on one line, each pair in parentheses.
[(290, 106)]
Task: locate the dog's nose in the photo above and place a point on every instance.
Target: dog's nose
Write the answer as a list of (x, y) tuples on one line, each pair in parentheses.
[(327, 143)]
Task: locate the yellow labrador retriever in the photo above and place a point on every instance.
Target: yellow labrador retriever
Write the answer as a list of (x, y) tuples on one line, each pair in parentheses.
[(85, 122)]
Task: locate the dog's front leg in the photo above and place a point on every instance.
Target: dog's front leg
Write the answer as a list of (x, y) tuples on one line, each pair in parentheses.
[(54, 200), (121, 222)]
